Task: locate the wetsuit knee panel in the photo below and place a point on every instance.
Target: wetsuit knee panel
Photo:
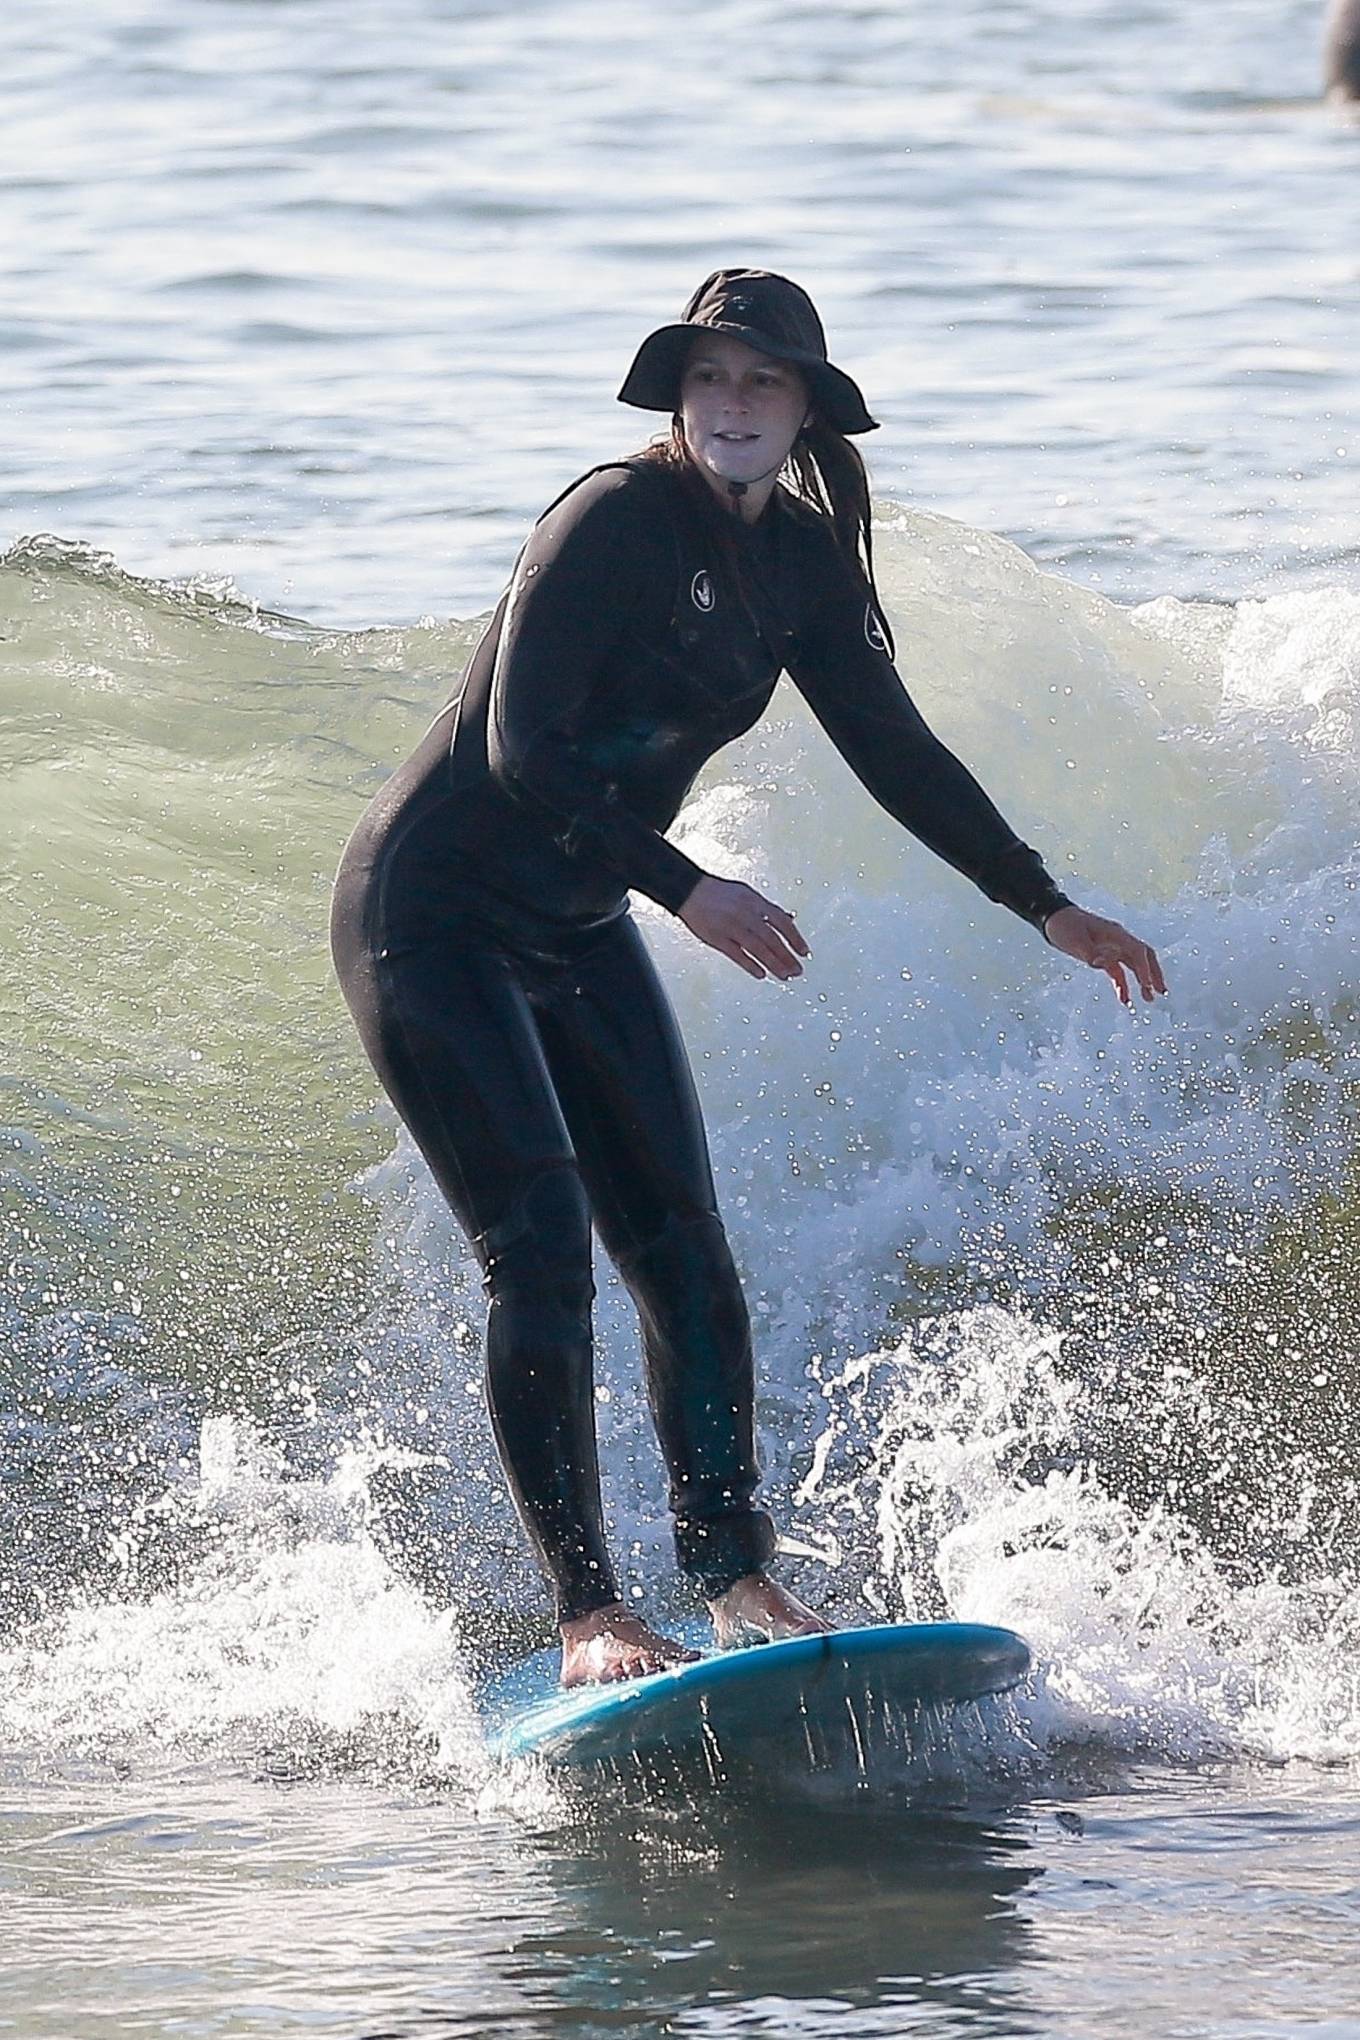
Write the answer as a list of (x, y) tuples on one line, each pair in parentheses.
[(687, 1238), (685, 1279), (690, 1249), (541, 1248)]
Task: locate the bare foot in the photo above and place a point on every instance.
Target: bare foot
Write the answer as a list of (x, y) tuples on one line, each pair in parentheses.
[(757, 1609), (610, 1644)]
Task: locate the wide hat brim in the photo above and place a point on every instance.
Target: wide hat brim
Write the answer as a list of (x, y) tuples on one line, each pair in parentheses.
[(653, 381)]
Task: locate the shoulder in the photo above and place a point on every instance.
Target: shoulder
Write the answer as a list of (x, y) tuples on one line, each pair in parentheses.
[(606, 538), (609, 531), (816, 532), (615, 500), (801, 513), (821, 557)]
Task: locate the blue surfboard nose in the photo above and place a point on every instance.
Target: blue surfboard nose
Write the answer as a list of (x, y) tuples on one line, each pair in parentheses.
[(806, 1688)]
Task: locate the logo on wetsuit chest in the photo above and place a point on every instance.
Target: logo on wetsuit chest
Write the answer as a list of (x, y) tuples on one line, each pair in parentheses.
[(873, 630), (701, 592)]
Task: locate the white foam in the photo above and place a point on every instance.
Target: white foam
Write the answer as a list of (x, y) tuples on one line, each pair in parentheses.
[(292, 1618), (939, 1094), (940, 1086), (1145, 1642)]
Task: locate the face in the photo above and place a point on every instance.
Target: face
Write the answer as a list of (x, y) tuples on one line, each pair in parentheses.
[(741, 410)]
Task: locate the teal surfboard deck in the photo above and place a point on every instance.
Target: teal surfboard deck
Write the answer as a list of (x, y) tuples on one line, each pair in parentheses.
[(810, 1691)]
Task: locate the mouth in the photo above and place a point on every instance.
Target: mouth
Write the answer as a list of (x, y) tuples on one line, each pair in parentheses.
[(736, 438)]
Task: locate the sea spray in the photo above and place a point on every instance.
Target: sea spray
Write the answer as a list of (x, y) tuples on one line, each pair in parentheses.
[(962, 1467), (1052, 1306)]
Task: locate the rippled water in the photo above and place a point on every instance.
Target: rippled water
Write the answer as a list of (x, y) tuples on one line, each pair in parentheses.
[(1055, 1309), (1133, 1914), (332, 300)]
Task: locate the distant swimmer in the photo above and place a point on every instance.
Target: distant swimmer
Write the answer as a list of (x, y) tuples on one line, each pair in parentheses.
[(1341, 52), (503, 991)]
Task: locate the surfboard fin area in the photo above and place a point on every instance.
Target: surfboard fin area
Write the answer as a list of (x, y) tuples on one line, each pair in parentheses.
[(808, 1690)]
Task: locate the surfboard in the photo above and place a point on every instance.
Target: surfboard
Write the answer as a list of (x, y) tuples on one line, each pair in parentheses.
[(818, 1693)]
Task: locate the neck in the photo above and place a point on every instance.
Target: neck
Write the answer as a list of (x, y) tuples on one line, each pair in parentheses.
[(748, 499)]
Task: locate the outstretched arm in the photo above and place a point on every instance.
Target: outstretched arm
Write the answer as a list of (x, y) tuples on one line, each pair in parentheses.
[(840, 665), (842, 668)]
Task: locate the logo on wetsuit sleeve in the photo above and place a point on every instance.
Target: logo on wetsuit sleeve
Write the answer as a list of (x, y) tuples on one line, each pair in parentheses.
[(701, 590), (873, 629)]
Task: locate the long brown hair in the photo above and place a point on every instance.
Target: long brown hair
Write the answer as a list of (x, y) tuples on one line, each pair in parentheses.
[(823, 470)]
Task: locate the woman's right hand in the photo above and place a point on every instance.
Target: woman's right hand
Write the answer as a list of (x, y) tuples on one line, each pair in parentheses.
[(737, 920)]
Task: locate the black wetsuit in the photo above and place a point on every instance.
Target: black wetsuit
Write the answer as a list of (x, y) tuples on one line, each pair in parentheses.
[(503, 992)]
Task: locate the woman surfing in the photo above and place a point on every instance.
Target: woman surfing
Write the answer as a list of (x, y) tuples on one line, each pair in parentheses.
[(503, 991)]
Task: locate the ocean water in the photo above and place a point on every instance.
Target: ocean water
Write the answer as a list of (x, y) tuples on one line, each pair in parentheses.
[(306, 313)]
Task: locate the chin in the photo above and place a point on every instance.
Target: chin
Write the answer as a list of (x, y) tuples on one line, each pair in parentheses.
[(730, 470)]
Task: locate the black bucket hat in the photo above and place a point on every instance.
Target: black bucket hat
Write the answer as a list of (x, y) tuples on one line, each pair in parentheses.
[(767, 312)]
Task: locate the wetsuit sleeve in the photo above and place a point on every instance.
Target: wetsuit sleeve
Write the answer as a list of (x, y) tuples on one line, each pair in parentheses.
[(840, 664), (590, 567)]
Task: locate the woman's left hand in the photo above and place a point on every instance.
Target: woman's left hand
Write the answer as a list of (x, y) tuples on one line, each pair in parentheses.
[(1104, 945)]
